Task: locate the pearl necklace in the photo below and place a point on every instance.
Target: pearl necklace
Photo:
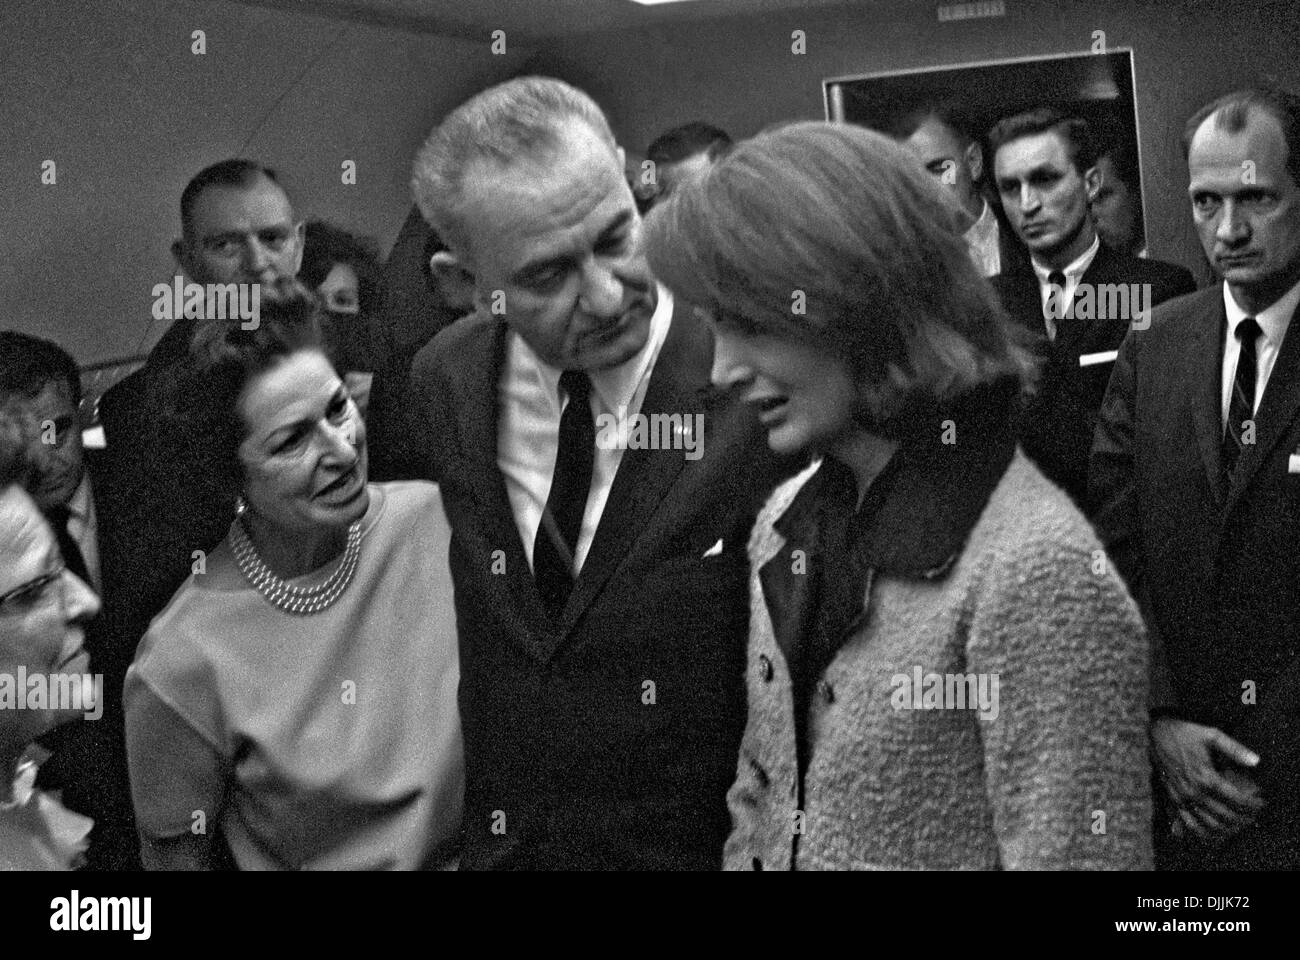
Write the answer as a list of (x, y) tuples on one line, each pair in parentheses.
[(296, 600)]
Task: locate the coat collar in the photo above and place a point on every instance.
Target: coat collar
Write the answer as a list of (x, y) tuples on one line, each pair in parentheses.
[(936, 492), (935, 495)]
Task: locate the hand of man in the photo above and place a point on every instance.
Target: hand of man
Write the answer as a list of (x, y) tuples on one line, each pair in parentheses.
[(1211, 804)]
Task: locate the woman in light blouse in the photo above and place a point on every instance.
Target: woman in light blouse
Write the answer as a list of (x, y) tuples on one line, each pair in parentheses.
[(297, 697)]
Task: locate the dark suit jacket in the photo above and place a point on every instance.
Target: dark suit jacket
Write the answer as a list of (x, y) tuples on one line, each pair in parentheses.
[(1214, 567), (88, 761), (1057, 424), (609, 739)]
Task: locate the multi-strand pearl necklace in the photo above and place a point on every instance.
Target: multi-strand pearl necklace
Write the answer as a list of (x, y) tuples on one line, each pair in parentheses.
[(297, 600)]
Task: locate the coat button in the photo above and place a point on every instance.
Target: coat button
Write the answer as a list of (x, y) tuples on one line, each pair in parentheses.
[(826, 691), (765, 668)]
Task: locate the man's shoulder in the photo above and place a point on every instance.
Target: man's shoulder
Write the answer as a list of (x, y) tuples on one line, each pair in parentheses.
[(447, 349), (1114, 266)]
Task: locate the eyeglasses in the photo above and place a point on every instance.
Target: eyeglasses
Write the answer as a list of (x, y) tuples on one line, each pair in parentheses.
[(31, 591)]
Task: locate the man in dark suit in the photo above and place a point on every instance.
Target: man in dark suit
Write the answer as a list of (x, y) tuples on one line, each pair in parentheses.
[(237, 226), (1196, 479), (939, 134), (600, 499), (74, 490), (1076, 296)]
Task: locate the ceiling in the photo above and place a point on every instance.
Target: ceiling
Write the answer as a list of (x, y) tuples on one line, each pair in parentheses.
[(532, 20)]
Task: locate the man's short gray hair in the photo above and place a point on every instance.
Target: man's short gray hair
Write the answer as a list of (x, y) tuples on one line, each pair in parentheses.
[(515, 121)]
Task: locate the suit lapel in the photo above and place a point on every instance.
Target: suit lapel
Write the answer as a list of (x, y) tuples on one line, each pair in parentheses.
[(1277, 408), (680, 375), (1205, 373), (477, 421)]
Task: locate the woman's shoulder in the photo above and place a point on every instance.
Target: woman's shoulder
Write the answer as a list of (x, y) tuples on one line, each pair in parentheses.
[(1028, 513), (405, 497)]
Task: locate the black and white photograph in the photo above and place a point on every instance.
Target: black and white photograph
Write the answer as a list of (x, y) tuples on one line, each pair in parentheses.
[(648, 436)]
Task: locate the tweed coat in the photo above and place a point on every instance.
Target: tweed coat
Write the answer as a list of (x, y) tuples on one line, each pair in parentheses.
[(981, 566)]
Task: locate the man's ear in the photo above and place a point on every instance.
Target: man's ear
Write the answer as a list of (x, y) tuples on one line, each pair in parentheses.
[(300, 239), (1092, 182), (454, 280), (974, 158)]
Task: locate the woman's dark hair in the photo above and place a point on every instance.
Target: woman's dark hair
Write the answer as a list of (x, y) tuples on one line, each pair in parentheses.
[(833, 236), (324, 247), (223, 358)]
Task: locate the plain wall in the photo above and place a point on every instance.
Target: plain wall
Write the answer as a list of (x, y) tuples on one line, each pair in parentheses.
[(110, 90), (741, 74)]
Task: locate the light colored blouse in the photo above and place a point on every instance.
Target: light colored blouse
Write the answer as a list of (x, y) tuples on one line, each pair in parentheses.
[(328, 741)]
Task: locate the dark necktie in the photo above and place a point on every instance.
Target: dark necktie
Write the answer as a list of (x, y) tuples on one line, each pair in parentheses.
[(72, 558), (1241, 407), (557, 535), (1054, 309)]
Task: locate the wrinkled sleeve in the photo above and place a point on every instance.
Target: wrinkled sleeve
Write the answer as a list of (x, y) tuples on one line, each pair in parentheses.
[(178, 780)]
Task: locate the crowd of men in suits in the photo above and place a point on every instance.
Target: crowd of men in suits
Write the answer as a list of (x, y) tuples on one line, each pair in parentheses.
[(604, 714)]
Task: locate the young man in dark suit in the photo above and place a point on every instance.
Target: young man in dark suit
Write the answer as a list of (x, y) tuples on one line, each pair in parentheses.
[(73, 488), (1196, 480), (1076, 296), (600, 569)]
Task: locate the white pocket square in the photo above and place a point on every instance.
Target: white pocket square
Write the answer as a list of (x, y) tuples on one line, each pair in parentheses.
[(713, 551), (1293, 463), (1106, 356)]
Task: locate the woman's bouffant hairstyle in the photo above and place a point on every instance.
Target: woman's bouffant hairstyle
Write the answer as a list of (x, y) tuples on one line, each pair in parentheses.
[(833, 236), (223, 357), (326, 245)]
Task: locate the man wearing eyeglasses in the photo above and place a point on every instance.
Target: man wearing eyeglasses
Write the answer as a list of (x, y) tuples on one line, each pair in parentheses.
[(40, 386), (43, 611)]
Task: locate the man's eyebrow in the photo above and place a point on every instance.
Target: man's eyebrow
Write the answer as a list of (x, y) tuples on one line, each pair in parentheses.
[(615, 225)]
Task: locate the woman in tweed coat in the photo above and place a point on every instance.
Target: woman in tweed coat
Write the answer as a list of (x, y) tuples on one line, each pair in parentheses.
[(944, 672)]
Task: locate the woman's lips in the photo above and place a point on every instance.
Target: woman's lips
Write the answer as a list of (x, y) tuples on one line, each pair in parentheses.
[(342, 483)]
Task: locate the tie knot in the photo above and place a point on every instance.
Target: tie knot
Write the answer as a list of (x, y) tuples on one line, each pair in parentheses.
[(1057, 279), (1248, 331), (576, 385)]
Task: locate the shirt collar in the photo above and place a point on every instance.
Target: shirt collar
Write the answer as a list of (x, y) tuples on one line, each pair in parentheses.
[(1273, 320), (1073, 270), (985, 228), (614, 386), (80, 504)]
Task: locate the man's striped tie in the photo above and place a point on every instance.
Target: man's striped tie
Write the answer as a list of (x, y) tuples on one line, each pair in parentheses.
[(1241, 408)]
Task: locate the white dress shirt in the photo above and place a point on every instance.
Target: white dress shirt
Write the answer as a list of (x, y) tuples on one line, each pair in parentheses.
[(982, 239), (1273, 322), (528, 427), (84, 529), (1074, 272)]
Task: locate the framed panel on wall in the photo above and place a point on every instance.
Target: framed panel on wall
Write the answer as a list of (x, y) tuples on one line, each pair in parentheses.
[(1096, 86)]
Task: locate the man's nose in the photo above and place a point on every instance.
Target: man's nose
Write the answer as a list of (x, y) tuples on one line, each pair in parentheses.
[(602, 291), (1029, 198), (79, 602), (257, 258), (1233, 226)]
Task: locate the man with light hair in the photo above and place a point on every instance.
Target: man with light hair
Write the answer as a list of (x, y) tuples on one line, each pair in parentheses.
[(600, 589)]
